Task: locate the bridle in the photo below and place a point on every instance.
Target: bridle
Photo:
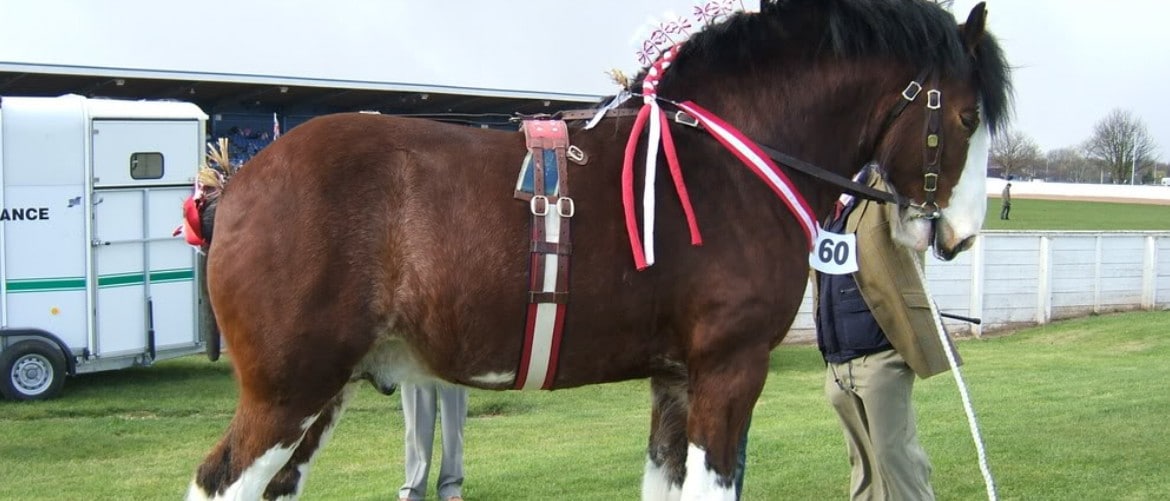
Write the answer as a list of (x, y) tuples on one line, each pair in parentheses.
[(932, 145)]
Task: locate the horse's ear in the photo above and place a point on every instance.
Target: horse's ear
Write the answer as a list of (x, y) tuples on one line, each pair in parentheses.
[(973, 29)]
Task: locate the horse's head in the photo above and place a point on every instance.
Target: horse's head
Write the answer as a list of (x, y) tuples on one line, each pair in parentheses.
[(935, 151)]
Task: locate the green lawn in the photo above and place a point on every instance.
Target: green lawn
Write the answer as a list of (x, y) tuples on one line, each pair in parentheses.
[(1030, 214), (1073, 410)]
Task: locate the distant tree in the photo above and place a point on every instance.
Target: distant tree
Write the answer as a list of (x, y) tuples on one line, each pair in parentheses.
[(1116, 140), (1014, 152), (1158, 171), (1068, 164)]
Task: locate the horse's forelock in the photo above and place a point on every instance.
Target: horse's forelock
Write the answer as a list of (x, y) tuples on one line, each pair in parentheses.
[(994, 80)]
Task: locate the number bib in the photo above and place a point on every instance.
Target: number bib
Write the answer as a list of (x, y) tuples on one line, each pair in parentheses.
[(834, 253)]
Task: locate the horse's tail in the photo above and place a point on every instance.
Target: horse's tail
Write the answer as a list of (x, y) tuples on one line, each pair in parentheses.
[(213, 176), (199, 208), (198, 224)]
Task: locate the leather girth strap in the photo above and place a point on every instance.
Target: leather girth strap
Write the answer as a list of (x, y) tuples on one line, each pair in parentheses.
[(548, 295)]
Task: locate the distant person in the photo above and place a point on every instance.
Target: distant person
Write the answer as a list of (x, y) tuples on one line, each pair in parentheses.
[(1006, 198), (419, 402)]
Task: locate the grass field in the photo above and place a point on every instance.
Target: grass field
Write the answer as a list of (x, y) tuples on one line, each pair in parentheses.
[(1073, 410), (1029, 214)]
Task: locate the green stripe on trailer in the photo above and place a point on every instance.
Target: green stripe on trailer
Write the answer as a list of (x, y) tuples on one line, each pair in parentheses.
[(78, 283)]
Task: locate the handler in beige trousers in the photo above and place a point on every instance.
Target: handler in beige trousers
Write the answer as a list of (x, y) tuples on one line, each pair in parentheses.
[(877, 330)]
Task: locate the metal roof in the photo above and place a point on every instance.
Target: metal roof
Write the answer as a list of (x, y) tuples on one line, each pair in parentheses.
[(215, 93)]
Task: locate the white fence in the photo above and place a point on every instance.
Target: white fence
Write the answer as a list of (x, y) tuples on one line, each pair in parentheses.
[(1013, 279)]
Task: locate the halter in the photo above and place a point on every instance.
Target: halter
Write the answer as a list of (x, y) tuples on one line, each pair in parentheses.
[(932, 152)]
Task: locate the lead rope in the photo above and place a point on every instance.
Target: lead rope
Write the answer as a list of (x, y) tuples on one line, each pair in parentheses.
[(972, 422)]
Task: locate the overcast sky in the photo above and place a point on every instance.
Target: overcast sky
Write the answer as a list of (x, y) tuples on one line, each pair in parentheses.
[(1076, 59)]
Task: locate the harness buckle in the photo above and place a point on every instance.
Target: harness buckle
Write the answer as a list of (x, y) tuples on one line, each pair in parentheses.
[(565, 207), (934, 99), (911, 91), (930, 182), (575, 155), (683, 118), (538, 204)]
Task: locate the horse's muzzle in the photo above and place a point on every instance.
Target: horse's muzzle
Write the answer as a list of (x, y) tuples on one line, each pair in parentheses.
[(946, 243)]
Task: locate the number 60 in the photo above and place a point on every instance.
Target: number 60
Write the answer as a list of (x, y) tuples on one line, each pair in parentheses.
[(833, 252)]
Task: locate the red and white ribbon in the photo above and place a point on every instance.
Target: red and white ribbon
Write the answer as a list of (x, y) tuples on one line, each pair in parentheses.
[(750, 154)]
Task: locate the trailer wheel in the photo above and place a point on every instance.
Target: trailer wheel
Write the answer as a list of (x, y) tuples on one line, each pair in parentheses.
[(32, 370)]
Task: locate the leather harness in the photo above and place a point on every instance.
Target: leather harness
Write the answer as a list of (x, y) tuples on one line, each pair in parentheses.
[(550, 249), (552, 209)]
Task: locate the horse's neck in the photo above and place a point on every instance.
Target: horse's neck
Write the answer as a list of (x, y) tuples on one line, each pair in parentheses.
[(824, 119)]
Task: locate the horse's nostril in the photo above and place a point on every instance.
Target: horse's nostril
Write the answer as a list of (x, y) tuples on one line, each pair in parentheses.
[(948, 253), (965, 244)]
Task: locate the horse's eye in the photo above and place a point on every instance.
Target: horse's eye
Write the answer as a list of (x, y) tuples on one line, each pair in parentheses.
[(970, 120)]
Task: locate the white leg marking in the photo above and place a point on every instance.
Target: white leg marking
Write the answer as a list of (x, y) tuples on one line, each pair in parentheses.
[(702, 484), (194, 493), (968, 203), (255, 478), (326, 435), (655, 485)]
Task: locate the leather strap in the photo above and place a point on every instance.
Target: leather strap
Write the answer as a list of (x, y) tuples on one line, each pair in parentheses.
[(590, 113), (552, 210)]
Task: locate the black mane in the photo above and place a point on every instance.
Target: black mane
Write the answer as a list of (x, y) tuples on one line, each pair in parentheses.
[(919, 33)]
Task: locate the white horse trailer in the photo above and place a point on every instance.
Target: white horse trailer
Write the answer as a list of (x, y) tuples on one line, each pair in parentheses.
[(91, 278)]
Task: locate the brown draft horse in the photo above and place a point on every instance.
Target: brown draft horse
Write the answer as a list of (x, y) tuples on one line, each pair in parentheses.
[(372, 248)]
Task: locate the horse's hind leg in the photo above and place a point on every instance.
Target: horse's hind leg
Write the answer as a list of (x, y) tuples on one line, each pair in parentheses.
[(265, 435), (667, 453), (290, 480), (260, 441)]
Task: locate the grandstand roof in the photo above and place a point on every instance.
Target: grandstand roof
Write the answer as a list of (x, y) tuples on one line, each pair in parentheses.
[(212, 92)]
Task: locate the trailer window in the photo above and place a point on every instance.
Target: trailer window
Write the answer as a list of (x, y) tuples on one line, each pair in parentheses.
[(146, 165)]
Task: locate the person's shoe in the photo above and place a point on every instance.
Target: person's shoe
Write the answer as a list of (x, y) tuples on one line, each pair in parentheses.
[(455, 498)]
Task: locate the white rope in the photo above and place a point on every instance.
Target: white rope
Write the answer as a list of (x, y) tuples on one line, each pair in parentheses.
[(966, 397)]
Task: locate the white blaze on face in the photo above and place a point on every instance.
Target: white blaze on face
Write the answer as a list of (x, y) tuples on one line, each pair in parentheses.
[(968, 205)]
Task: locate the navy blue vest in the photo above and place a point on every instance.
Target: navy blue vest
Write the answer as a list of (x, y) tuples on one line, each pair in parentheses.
[(846, 329)]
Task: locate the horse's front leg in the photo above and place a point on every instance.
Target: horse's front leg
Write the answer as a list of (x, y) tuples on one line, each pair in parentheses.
[(724, 384)]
